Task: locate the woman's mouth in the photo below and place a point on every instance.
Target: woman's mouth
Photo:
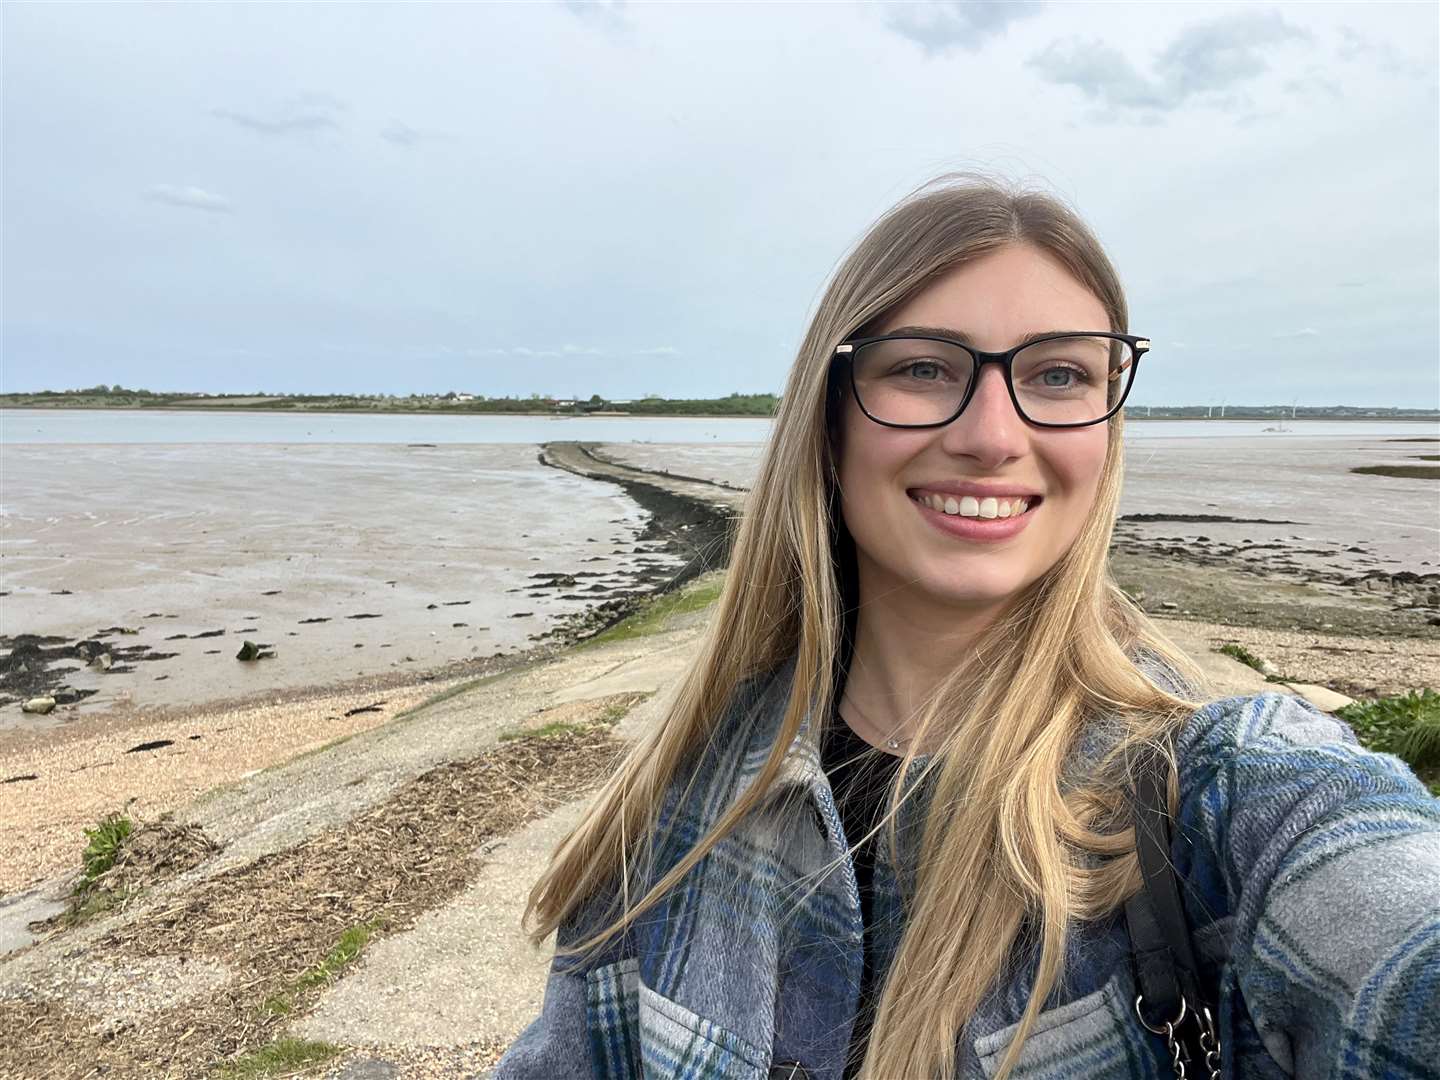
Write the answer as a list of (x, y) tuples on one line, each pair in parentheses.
[(966, 517), (968, 506)]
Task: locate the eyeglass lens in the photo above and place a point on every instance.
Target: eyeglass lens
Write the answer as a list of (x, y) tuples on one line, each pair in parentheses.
[(1069, 380)]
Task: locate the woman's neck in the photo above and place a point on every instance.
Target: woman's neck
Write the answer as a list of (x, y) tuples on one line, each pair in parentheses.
[(906, 645)]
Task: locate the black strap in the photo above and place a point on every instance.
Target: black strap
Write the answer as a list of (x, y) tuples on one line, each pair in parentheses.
[(1166, 973)]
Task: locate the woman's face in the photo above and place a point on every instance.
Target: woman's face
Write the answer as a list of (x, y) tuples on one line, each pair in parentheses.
[(903, 548)]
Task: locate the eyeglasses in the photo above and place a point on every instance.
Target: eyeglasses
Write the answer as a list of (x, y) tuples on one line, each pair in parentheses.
[(1055, 380)]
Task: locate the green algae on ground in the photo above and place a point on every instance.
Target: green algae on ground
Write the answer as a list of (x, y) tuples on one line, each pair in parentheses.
[(1400, 472), (652, 618), (613, 712)]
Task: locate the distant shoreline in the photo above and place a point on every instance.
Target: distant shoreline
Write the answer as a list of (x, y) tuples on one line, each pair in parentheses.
[(615, 414)]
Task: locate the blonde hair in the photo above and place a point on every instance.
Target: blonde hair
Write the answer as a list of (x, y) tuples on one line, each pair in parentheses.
[(1035, 848)]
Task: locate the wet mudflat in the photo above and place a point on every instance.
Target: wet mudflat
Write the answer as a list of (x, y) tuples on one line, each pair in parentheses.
[(1275, 529), (134, 575)]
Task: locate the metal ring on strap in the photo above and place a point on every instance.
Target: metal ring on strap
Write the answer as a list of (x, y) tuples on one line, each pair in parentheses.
[(1165, 1028)]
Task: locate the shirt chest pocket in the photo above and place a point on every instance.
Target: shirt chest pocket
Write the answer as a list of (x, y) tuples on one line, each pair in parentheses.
[(1092, 1038), (637, 1034)]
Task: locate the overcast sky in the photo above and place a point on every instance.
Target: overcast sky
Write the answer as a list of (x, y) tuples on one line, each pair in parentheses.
[(571, 198)]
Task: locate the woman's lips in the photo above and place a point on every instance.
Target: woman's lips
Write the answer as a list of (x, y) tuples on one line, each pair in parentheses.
[(974, 528)]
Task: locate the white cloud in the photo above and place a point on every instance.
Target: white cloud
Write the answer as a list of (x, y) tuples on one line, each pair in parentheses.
[(1206, 62), (606, 14), (190, 198), (941, 25), (295, 115)]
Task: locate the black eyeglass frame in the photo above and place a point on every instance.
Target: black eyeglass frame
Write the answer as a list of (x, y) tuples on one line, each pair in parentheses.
[(845, 353)]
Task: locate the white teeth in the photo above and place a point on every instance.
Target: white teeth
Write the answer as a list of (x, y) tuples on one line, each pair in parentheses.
[(969, 506)]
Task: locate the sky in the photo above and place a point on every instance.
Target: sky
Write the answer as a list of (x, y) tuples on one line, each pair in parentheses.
[(629, 199)]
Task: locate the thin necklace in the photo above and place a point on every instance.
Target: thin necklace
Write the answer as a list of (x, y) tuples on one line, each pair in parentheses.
[(891, 742)]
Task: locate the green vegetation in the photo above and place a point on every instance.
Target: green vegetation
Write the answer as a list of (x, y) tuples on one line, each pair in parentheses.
[(103, 845), (282, 1056), (545, 731), (1426, 457), (87, 903), (733, 404), (651, 618), (89, 899), (118, 397), (1402, 472), (1407, 726), (351, 944), (609, 716), (1245, 656)]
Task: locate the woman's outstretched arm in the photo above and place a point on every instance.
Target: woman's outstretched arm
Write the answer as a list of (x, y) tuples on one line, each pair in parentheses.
[(1330, 859)]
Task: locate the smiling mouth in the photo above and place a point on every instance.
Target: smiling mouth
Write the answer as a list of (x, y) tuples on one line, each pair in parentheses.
[(968, 506)]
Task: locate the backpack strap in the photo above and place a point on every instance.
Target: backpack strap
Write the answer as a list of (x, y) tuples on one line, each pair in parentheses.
[(1171, 1001)]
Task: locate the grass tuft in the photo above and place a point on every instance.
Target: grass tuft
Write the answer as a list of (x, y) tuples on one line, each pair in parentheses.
[(103, 846), (344, 953), (351, 944), (1244, 655), (281, 1056), (1407, 725)]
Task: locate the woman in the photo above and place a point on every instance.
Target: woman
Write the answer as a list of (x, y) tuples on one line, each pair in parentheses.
[(921, 574)]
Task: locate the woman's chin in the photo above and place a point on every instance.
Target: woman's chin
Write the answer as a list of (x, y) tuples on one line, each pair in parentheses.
[(969, 595)]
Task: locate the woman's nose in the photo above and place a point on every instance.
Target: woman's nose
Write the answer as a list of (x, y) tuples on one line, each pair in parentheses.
[(989, 429)]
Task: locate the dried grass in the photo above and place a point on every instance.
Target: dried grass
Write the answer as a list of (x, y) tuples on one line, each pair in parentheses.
[(276, 918)]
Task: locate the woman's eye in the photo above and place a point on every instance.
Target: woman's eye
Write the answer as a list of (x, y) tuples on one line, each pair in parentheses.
[(1067, 377), (923, 369)]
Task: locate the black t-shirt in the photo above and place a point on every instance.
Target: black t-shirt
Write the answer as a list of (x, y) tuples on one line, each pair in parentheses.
[(860, 777)]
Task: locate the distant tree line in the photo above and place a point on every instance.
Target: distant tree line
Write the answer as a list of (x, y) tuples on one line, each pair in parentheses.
[(735, 404)]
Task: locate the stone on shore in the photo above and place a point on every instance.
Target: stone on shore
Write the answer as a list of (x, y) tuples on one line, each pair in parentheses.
[(41, 705)]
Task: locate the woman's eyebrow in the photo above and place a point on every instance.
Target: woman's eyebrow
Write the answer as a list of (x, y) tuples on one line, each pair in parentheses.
[(965, 339)]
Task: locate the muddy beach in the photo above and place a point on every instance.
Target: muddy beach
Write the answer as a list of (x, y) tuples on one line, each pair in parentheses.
[(64, 774), (137, 596)]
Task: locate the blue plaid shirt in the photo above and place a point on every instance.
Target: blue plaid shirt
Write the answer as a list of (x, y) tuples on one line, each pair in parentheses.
[(1312, 874)]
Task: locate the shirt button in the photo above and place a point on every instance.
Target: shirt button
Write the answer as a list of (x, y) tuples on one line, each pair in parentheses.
[(788, 1070)]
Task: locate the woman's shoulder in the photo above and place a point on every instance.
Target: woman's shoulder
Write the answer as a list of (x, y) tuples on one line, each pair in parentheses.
[(1255, 766), (1274, 731), (1277, 739)]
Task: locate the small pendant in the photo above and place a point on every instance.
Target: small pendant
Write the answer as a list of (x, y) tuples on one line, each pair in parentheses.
[(893, 744)]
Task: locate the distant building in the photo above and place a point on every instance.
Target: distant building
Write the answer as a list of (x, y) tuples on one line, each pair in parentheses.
[(464, 397)]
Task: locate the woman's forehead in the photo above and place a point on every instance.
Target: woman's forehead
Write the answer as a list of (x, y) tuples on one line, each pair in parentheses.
[(1011, 293)]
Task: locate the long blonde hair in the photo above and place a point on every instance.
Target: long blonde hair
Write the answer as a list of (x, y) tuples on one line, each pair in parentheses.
[(1034, 852)]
